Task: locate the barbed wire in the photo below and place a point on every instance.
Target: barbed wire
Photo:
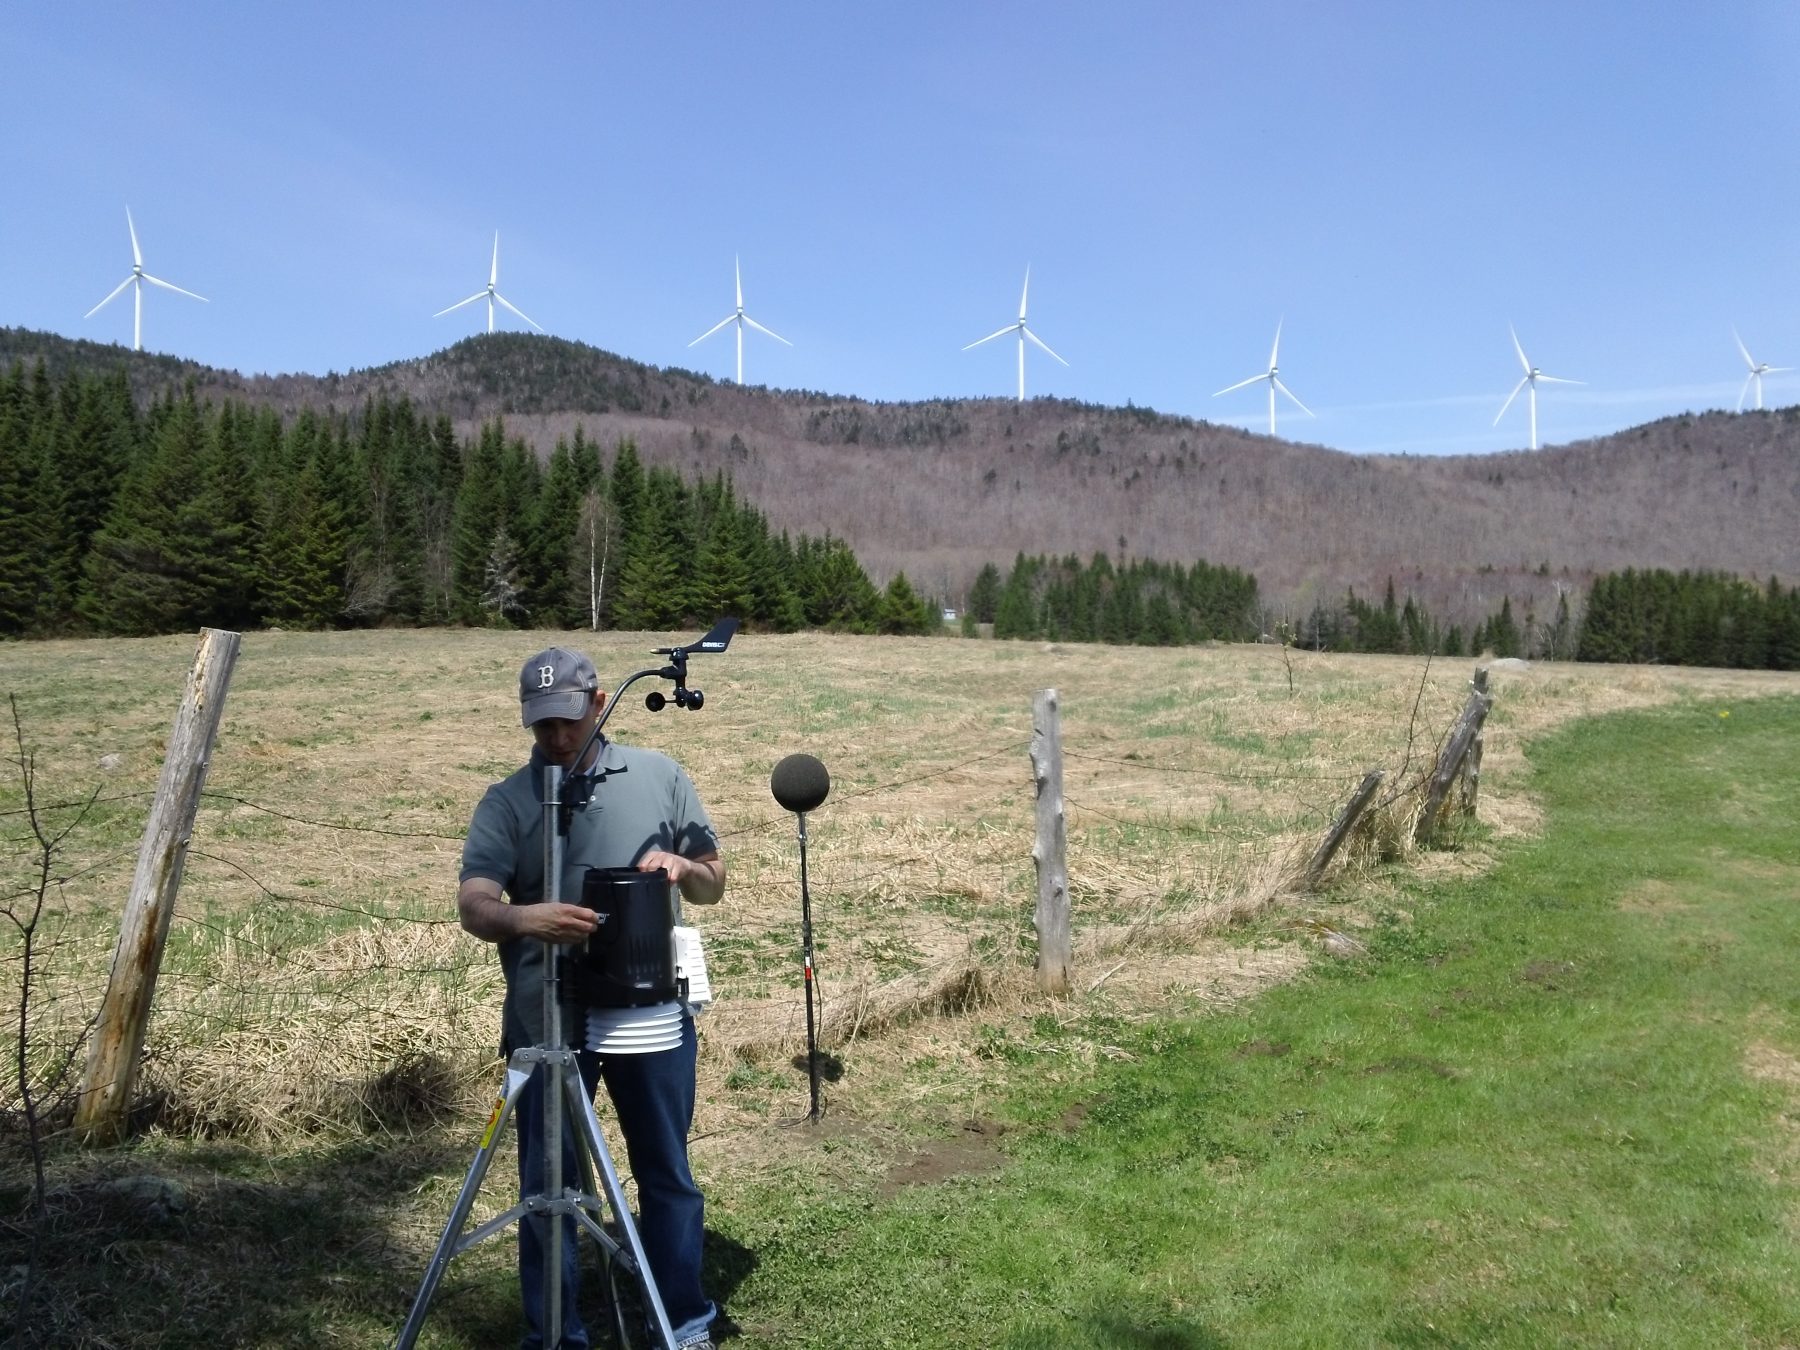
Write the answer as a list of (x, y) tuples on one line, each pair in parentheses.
[(316, 903), (85, 801), (332, 824), (772, 821), (1200, 828), (1227, 774)]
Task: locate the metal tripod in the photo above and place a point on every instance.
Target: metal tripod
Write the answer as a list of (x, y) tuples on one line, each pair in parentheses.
[(563, 1082)]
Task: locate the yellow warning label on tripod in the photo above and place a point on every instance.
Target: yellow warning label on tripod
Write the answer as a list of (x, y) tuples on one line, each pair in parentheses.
[(487, 1135)]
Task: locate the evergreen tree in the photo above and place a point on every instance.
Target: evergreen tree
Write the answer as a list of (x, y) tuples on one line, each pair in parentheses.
[(984, 595), (1503, 633), (22, 544), (147, 572), (902, 611), (478, 520), (1016, 616), (842, 596), (553, 554)]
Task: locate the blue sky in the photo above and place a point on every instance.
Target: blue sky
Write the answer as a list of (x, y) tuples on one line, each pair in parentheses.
[(1397, 182)]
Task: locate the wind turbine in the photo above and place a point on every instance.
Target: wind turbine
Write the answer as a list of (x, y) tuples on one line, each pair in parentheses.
[(1023, 330), (738, 317), (136, 281), (1757, 371), (1274, 380), (1532, 376), (492, 294)]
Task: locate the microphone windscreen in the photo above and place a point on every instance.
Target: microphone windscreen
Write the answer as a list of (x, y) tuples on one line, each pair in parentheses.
[(800, 783)]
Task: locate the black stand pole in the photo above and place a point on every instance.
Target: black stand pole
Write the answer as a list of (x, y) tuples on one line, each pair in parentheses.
[(806, 945)]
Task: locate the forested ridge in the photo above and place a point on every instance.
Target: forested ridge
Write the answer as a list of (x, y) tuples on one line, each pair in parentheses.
[(938, 488), (191, 512), (144, 494)]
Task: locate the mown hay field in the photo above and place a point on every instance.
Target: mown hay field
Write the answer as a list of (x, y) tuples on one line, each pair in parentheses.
[(316, 981)]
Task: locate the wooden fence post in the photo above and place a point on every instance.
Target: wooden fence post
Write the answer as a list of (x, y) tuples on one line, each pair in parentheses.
[(1050, 852), (125, 1011), (1471, 771), (1341, 827), (1462, 736)]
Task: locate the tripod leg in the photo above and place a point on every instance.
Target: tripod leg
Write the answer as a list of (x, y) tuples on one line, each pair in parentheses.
[(588, 1126), (516, 1078)]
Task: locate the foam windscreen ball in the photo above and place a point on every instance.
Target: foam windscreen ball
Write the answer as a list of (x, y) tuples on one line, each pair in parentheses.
[(800, 783)]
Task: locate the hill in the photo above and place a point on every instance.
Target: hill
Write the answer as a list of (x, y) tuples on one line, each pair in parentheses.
[(940, 487)]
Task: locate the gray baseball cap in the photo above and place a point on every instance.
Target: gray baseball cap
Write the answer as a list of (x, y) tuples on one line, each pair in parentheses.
[(557, 682)]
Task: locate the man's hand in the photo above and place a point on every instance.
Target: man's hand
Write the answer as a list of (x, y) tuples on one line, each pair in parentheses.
[(490, 918), (557, 923), (702, 879)]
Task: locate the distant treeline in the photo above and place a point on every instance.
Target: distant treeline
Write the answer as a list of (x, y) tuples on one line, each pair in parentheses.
[(120, 521), (116, 519), (1650, 617), (1141, 601), (1691, 619)]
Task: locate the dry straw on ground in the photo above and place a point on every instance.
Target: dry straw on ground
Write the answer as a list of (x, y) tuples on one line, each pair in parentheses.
[(316, 980)]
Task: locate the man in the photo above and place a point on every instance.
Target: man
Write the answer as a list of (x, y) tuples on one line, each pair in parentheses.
[(643, 813)]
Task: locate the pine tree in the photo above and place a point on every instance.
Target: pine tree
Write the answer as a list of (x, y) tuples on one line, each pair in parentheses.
[(902, 611), (477, 519), (144, 573), (984, 595), (21, 537), (1503, 633), (222, 525), (553, 554), (1016, 616)]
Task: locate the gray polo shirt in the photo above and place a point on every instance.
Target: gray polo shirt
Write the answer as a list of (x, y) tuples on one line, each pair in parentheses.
[(643, 800)]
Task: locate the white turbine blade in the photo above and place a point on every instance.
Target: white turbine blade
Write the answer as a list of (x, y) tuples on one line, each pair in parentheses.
[(1290, 393), (516, 310), (770, 331), (1000, 332), (737, 270), (1743, 350), (110, 298), (137, 256), (479, 295), (1024, 291), (170, 286), (1509, 399), (1254, 379), (494, 271), (1519, 349), (1772, 370), (1745, 391), (1556, 379), (729, 318), (1040, 342), (1276, 348)]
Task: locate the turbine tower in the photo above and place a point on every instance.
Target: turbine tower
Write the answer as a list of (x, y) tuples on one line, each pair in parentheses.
[(1274, 379), (136, 281), (1532, 376), (492, 294), (1023, 330), (738, 317), (1758, 369)]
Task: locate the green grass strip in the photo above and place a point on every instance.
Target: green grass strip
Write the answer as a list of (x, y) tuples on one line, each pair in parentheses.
[(1548, 1109)]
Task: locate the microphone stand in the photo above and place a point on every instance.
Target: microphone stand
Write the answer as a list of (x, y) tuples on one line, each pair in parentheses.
[(806, 948)]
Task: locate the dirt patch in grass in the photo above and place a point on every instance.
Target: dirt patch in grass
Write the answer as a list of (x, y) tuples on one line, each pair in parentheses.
[(1655, 898), (969, 1152)]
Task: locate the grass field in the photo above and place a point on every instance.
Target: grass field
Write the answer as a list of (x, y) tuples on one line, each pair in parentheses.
[(322, 1047)]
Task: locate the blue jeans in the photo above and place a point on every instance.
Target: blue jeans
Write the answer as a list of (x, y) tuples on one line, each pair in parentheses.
[(653, 1098)]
